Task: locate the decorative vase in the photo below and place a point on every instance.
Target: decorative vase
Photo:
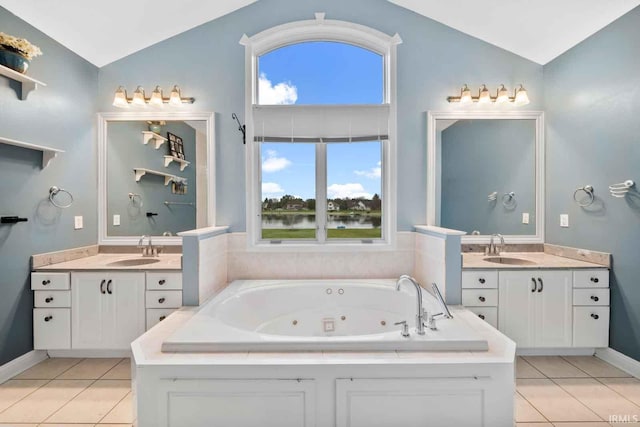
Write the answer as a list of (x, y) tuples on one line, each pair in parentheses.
[(11, 59), (155, 127)]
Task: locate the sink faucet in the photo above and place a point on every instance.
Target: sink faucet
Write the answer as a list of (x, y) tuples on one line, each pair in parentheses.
[(493, 248), (420, 313), (149, 250)]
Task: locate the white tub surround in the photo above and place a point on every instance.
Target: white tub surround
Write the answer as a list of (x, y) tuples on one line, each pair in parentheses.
[(323, 388), (305, 315)]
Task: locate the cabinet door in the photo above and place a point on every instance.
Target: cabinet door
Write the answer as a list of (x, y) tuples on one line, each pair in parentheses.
[(516, 307), (88, 310), (554, 312), (126, 316)]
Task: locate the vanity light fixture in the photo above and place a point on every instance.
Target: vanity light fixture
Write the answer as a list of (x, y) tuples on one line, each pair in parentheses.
[(157, 99), (519, 98)]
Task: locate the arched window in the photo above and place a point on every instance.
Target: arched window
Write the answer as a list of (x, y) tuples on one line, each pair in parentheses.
[(321, 131)]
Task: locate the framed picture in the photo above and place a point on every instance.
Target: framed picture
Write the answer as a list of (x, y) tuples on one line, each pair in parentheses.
[(176, 146)]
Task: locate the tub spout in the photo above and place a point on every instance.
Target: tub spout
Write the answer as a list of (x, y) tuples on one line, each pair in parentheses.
[(420, 310)]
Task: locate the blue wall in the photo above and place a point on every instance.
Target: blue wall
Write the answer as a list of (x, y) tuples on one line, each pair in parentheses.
[(60, 115), (125, 152), (483, 156), (434, 61), (592, 95)]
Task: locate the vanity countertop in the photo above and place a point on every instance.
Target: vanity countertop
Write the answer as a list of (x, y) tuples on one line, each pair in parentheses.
[(539, 259), (114, 262)]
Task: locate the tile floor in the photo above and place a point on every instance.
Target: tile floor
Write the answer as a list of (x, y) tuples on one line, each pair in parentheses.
[(69, 393), (551, 391)]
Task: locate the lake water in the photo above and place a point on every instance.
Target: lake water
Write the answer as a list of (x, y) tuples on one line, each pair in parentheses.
[(302, 221)]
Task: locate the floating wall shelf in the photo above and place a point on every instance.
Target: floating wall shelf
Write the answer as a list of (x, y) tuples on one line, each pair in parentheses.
[(28, 84), (48, 153), (140, 172), (169, 159), (148, 136)]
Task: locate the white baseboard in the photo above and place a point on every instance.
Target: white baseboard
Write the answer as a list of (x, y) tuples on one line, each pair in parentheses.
[(21, 364), (619, 360), (555, 351), (90, 354)]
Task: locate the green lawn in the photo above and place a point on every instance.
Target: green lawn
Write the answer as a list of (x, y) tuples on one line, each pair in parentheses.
[(310, 233)]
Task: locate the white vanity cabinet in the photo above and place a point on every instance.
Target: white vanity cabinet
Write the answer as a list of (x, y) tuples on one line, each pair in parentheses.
[(52, 311), (107, 309), (591, 308)]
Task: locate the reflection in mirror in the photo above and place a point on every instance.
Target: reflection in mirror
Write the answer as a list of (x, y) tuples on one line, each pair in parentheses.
[(486, 176), (156, 182)]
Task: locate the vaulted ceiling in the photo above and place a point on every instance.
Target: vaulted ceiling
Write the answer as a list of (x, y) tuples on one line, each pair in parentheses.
[(102, 32)]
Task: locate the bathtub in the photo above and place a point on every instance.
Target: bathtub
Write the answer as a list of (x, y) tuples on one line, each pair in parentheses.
[(318, 315)]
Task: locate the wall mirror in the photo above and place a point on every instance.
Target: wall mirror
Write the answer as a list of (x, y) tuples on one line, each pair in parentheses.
[(155, 177), (486, 174)]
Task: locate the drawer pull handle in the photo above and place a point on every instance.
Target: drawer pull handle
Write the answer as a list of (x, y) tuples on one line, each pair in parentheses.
[(102, 291), (46, 282), (161, 300), (109, 290), (161, 282), (533, 281), (482, 299), (162, 318), (481, 316), (595, 298), (595, 279), (48, 300), (481, 280), (48, 318), (595, 316), (541, 285)]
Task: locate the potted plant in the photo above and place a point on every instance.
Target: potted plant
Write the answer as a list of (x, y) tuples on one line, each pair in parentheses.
[(15, 53)]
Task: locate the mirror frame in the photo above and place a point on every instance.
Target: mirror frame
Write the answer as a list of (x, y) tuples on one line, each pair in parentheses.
[(103, 119), (538, 116)]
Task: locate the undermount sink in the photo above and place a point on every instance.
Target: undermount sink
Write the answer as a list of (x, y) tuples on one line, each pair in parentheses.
[(132, 262), (509, 260)]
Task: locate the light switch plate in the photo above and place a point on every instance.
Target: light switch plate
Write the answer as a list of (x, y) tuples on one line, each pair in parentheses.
[(525, 218), (116, 220), (564, 220), (77, 223)]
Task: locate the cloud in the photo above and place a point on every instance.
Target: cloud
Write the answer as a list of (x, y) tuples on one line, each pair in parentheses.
[(270, 189), (273, 163), (372, 173), (349, 191), (283, 93)]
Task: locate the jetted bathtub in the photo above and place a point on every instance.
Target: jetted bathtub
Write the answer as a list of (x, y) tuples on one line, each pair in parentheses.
[(318, 315)]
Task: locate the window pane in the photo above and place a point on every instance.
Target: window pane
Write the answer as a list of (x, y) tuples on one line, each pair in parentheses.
[(320, 73), (354, 191), (288, 191)]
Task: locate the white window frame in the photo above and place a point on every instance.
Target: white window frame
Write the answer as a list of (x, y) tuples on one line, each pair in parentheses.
[(321, 29)]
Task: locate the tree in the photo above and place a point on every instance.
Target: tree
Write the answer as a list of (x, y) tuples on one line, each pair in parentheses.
[(311, 204), (376, 203)]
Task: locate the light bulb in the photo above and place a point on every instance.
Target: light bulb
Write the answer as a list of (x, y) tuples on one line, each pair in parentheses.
[(485, 96), (156, 97), (522, 97), (175, 98), (465, 95), (503, 95), (120, 98), (138, 97)]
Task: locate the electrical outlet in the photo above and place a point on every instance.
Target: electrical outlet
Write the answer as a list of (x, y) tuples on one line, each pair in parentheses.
[(564, 220), (116, 220), (525, 217), (77, 223)]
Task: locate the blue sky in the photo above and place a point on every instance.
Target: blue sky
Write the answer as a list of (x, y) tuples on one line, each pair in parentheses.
[(321, 73)]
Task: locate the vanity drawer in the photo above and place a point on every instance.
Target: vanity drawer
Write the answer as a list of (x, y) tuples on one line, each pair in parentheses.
[(51, 328), (164, 281), (53, 299), (480, 297), (591, 297), (50, 281), (164, 299), (488, 314), (157, 315), (483, 279), (591, 278), (591, 327)]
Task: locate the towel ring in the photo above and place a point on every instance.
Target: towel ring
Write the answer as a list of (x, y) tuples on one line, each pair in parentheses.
[(588, 190), (54, 191), (509, 199)]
